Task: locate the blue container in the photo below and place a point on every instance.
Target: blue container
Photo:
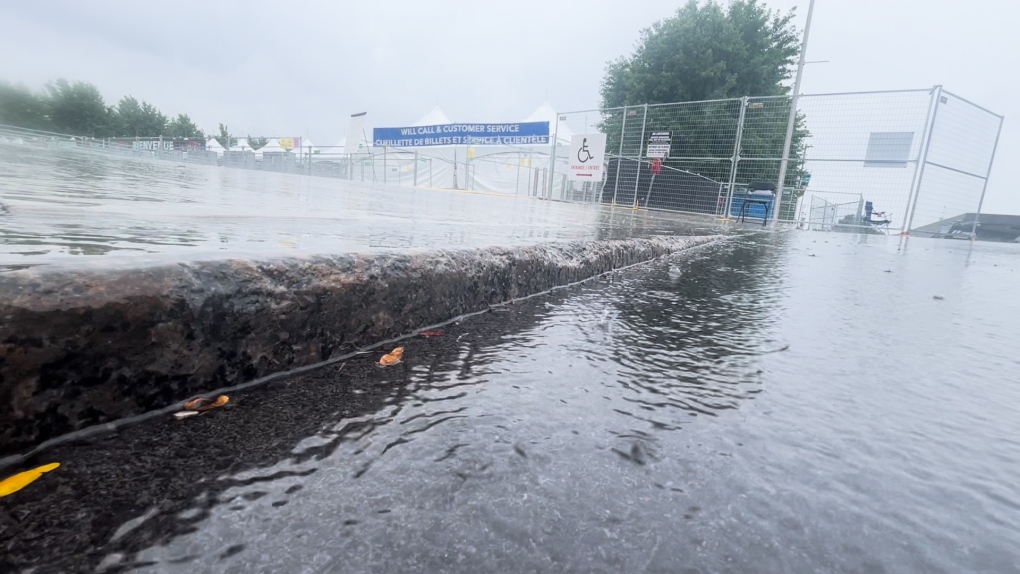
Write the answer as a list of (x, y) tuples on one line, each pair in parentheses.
[(756, 208)]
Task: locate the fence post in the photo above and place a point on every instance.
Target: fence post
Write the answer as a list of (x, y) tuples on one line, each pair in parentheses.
[(641, 145), (552, 156), (785, 161), (924, 157), (792, 121), (619, 156), (517, 187), (415, 168), (920, 151), (988, 174), (735, 158)]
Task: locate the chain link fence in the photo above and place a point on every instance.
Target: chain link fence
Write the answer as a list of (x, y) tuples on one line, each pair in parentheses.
[(910, 160), (881, 161)]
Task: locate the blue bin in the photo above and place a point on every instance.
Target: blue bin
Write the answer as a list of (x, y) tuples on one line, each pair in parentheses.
[(756, 208)]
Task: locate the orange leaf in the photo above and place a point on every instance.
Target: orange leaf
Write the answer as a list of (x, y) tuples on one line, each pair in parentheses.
[(201, 404), (392, 358), (15, 483)]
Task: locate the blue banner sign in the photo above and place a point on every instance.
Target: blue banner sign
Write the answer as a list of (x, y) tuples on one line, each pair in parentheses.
[(527, 133)]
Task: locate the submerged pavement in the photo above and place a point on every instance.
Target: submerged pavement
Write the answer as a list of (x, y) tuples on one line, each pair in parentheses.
[(70, 208), (767, 404), (130, 284)]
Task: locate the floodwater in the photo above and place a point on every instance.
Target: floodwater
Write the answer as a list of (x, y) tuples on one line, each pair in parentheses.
[(792, 402), (70, 207)]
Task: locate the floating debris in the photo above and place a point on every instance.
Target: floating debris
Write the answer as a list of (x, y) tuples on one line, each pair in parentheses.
[(199, 405), (938, 297), (202, 404), (15, 483), (432, 333), (636, 455), (392, 358)]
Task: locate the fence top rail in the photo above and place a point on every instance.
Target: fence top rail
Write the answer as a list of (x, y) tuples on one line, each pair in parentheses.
[(639, 106), (781, 96), (716, 101), (869, 93), (27, 131), (966, 101), (600, 110)]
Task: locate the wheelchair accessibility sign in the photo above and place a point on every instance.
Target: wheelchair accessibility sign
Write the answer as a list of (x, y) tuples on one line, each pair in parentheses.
[(587, 156)]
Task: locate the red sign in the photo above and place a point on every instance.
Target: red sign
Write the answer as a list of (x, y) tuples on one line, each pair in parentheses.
[(656, 166)]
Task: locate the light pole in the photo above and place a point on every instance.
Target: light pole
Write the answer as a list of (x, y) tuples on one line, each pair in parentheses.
[(793, 114)]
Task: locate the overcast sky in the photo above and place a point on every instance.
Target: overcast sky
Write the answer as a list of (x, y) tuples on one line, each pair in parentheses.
[(296, 68)]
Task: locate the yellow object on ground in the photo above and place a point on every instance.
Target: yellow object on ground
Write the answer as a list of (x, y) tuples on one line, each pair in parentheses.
[(22, 479)]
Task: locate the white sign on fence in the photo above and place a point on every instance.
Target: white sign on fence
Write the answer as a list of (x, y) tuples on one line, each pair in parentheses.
[(587, 155), (659, 144)]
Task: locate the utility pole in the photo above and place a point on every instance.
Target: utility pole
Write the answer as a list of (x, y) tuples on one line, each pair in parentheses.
[(793, 114)]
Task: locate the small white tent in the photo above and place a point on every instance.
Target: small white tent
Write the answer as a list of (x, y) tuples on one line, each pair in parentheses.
[(339, 147), (241, 145), (435, 117), (214, 145), (304, 149), (272, 146), (546, 113)]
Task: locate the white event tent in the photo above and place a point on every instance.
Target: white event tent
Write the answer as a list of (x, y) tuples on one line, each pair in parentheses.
[(511, 169), (241, 145), (214, 145), (272, 146)]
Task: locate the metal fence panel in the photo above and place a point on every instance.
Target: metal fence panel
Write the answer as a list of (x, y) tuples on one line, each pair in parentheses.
[(864, 144), (956, 164), (913, 160)]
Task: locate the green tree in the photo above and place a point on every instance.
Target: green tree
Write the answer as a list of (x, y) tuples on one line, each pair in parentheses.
[(136, 119), (224, 138), (22, 108), (129, 112), (704, 53), (183, 127), (257, 143), (79, 109)]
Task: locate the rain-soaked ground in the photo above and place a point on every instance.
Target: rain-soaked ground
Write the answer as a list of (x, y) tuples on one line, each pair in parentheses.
[(68, 207), (796, 402)]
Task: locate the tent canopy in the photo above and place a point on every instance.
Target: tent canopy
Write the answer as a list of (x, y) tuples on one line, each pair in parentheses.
[(214, 145), (434, 118), (339, 147), (546, 113), (272, 146)]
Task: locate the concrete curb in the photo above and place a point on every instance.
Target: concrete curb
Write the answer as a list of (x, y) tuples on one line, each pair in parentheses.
[(79, 349)]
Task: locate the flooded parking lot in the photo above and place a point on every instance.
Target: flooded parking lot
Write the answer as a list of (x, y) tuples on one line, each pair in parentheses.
[(76, 208), (781, 402)]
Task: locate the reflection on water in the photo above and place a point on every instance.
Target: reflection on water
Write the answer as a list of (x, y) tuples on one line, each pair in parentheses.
[(67, 203), (760, 406)]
